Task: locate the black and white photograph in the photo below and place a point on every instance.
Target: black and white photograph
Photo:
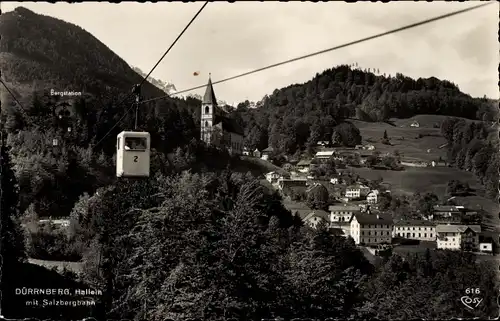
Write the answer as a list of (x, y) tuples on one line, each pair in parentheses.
[(249, 160)]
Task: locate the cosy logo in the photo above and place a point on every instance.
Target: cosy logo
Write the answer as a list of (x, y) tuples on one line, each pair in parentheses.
[(471, 298)]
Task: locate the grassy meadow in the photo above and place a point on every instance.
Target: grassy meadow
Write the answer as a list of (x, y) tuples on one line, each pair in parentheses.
[(404, 138)]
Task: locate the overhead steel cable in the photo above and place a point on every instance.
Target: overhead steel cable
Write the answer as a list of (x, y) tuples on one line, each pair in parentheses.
[(413, 25), (15, 99), (154, 67), (410, 26)]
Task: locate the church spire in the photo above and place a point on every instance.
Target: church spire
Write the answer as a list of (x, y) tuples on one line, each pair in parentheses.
[(209, 97)]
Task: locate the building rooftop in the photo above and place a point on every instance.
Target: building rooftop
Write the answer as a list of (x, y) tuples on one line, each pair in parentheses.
[(209, 97), (454, 228), (448, 208), (345, 207), (356, 186), (317, 213), (364, 218), (414, 223), (325, 153)]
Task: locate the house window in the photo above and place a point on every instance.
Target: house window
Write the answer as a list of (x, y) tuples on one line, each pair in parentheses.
[(206, 122), (413, 234), (425, 234), (362, 232), (207, 110), (418, 234)]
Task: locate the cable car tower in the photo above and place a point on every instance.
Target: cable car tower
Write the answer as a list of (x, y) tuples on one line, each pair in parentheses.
[(133, 148)]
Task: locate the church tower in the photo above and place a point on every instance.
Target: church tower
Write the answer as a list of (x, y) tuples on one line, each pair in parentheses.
[(208, 113)]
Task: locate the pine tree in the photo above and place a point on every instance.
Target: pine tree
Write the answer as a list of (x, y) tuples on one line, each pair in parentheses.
[(11, 236), (385, 135), (12, 244)]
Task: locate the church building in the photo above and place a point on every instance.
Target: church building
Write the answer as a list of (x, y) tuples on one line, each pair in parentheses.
[(217, 129)]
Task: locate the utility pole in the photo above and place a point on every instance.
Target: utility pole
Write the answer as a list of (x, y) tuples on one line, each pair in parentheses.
[(137, 91)]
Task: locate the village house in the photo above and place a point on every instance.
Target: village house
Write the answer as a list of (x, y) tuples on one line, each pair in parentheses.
[(342, 213), (486, 247), (371, 229), (315, 217), (309, 216), (364, 147), (372, 197), (415, 124), (456, 237), (447, 213), (246, 151), (340, 156), (323, 143), (454, 214), (266, 153), (335, 180), (415, 230), (303, 165), (256, 153), (61, 222), (274, 177), (324, 155), (356, 191)]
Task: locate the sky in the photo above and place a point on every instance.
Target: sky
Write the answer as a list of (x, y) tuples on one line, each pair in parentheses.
[(228, 39)]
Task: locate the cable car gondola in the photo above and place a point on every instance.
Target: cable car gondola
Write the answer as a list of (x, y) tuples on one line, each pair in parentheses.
[(133, 154), (133, 149)]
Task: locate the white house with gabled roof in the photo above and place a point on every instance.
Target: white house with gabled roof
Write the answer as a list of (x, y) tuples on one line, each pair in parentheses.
[(372, 197), (456, 237)]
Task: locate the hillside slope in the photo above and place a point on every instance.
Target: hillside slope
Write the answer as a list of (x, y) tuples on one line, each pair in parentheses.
[(39, 53), (299, 115), (49, 52)]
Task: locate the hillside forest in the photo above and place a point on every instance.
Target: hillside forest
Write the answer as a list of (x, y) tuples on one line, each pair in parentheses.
[(165, 238)]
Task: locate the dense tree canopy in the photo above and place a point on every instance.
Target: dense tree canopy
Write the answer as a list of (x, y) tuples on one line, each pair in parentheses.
[(472, 148), (11, 237), (157, 251), (302, 114)]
